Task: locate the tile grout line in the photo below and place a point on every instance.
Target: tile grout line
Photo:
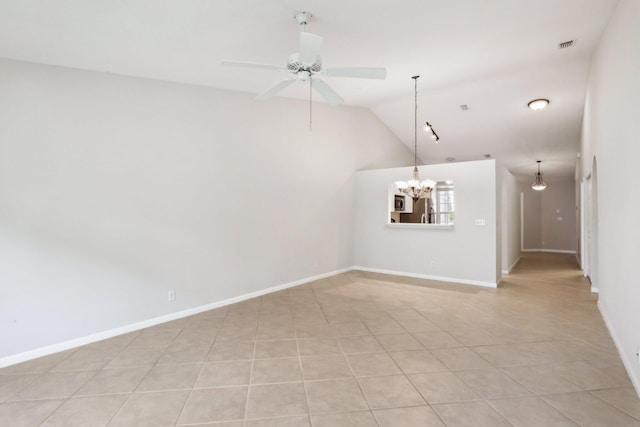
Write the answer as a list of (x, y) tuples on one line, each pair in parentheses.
[(134, 388), (67, 398), (204, 362), (304, 382), (615, 406), (253, 357)]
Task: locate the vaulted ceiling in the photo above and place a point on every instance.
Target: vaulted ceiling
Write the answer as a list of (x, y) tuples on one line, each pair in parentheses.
[(491, 55)]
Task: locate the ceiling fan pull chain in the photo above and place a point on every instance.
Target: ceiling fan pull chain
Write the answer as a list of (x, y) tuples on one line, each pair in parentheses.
[(310, 101)]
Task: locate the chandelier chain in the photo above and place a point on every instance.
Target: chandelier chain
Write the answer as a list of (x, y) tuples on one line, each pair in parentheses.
[(415, 187)]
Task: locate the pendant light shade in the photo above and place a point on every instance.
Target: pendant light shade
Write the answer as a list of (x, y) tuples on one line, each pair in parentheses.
[(538, 184), (416, 188)]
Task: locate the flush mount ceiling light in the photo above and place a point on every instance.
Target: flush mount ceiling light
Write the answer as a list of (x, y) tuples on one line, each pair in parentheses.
[(415, 188), (538, 184), (538, 104)]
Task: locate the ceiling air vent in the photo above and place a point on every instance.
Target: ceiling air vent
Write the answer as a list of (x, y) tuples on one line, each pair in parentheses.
[(566, 44)]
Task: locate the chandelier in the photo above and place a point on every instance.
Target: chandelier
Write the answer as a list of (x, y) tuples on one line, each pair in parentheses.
[(538, 184), (415, 188)]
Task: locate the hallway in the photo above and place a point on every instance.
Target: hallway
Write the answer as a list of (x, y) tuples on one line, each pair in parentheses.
[(356, 349)]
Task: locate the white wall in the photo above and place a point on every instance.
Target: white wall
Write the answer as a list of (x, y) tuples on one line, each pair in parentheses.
[(549, 216), (578, 214), (511, 233), (610, 133), (114, 190), (466, 254), (531, 217), (499, 221), (559, 201)]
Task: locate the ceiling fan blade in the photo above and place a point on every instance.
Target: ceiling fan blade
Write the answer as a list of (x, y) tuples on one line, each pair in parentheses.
[(275, 89), (250, 65), (309, 48), (358, 72), (327, 93)]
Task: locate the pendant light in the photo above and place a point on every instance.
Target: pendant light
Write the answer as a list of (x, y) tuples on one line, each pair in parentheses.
[(538, 184), (415, 188)]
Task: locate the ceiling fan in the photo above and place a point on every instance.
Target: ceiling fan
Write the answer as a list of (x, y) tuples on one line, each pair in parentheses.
[(306, 64)]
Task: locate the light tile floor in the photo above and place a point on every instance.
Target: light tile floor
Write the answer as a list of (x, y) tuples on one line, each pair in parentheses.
[(355, 349)]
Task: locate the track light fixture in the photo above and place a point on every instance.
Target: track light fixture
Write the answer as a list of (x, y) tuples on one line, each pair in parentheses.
[(434, 135)]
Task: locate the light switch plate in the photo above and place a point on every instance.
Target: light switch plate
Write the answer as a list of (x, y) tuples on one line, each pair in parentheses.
[(481, 222)]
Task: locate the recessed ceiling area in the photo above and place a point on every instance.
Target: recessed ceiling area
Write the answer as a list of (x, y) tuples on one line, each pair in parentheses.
[(493, 56)]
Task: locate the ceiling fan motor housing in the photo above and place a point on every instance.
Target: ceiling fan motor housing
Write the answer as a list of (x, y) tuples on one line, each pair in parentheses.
[(295, 64)]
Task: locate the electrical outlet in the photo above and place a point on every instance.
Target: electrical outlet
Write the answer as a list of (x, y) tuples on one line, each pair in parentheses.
[(171, 296)]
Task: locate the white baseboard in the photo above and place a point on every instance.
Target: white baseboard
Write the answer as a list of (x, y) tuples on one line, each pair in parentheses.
[(514, 264), (554, 251), (429, 277), (511, 267), (626, 362), (66, 345)]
